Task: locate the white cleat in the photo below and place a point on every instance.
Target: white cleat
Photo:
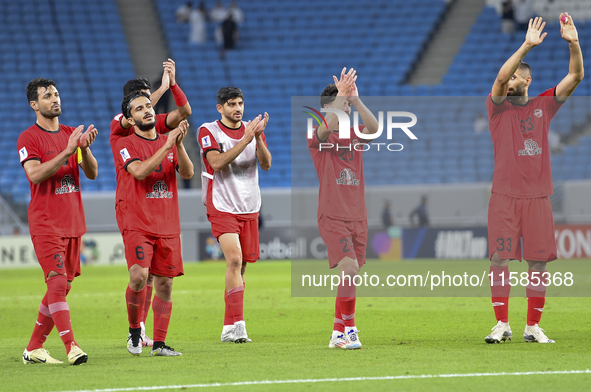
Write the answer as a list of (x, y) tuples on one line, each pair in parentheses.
[(353, 342), (533, 333), (165, 351), (39, 355), (500, 333), (240, 335), (228, 333), (134, 343), (338, 340)]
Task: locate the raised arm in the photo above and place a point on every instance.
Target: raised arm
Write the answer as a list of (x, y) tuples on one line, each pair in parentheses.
[(142, 169), (183, 110), (344, 85), (533, 37), (369, 119), (576, 71)]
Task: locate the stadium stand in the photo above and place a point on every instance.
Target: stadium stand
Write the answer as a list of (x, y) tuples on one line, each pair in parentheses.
[(81, 46), (285, 50)]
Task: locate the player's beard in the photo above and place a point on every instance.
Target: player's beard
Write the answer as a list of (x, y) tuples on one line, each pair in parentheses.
[(145, 126), (51, 113), (518, 91)]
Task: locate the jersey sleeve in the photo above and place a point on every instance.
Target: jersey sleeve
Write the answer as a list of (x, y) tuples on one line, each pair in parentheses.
[(117, 129), (206, 141), (161, 126), (314, 141), (27, 148), (127, 154), (550, 102)]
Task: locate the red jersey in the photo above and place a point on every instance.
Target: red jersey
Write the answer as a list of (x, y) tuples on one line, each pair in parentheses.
[(117, 132), (207, 143), (150, 206), (340, 173), (522, 152), (56, 205)]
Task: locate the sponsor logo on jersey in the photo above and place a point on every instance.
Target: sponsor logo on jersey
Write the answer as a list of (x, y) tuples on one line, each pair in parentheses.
[(23, 154), (125, 154), (538, 113), (171, 157), (159, 191), (347, 178), (530, 148), (206, 141), (68, 186)]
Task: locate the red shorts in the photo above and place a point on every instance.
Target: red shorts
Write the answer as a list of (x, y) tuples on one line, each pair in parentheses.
[(58, 254), (247, 228), (343, 239), (161, 255), (510, 219)]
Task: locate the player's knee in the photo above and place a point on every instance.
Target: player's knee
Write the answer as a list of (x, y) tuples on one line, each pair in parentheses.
[(137, 279), (234, 261), (537, 266), (496, 261)]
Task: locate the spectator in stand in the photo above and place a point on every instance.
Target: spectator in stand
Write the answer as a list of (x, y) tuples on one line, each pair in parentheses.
[(508, 24), (217, 15), (421, 213), (230, 34), (183, 12), (197, 19), (523, 11), (480, 124), (236, 13)]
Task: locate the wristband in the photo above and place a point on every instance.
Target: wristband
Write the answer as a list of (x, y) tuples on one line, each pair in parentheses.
[(180, 99)]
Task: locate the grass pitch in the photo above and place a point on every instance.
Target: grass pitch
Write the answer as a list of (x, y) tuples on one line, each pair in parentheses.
[(400, 336)]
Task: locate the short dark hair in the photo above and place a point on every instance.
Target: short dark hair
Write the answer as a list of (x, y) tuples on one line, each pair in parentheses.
[(227, 93), (127, 101), (136, 84), (34, 84), (328, 95), (524, 67)]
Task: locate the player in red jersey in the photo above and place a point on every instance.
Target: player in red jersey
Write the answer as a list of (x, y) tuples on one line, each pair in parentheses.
[(165, 122), (151, 224), (50, 154), (230, 150), (519, 206), (342, 214)]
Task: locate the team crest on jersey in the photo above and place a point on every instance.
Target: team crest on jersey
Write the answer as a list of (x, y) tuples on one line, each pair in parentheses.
[(530, 148), (538, 113), (23, 154), (159, 191), (206, 141), (347, 178), (68, 185), (124, 154), (171, 157)]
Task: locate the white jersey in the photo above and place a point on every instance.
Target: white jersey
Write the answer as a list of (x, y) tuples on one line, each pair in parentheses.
[(235, 188)]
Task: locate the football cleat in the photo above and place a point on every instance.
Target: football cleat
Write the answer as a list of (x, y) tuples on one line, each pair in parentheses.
[(338, 341), (353, 342), (165, 351), (76, 356), (39, 355), (228, 333), (533, 333), (240, 335), (134, 343), (500, 333)]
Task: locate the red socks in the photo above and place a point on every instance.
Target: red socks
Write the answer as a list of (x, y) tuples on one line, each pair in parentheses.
[(339, 325), (536, 297), (228, 317), (135, 301), (58, 307), (235, 301), (162, 311), (500, 290), (346, 297), (43, 326), (147, 302)]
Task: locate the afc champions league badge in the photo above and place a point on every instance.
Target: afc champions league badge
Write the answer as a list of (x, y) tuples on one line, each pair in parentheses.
[(538, 113)]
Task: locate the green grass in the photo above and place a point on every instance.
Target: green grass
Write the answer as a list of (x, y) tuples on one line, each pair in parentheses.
[(400, 336)]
